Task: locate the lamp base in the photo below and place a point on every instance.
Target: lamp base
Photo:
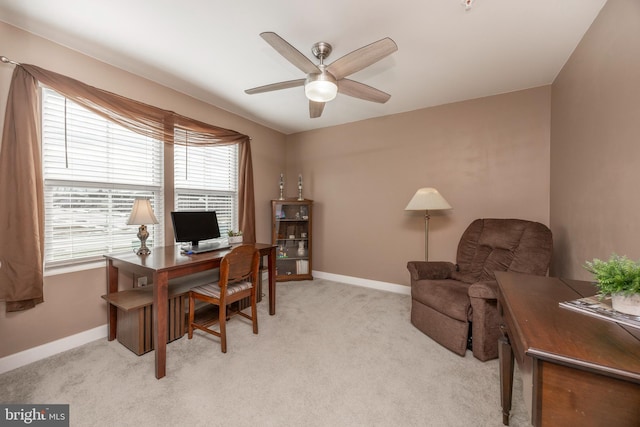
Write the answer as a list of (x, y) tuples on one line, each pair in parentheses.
[(143, 250), (143, 234)]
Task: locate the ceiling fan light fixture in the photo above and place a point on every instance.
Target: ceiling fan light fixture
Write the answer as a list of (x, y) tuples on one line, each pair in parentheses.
[(321, 87), (321, 81)]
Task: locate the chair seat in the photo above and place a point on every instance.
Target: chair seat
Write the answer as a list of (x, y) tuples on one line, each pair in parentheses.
[(213, 289), (450, 297)]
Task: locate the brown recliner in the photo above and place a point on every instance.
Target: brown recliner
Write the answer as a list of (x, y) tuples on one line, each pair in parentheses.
[(455, 304)]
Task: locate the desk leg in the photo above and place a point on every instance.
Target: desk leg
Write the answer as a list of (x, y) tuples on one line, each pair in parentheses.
[(112, 310), (271, 259), (160, 308), (505, 353)]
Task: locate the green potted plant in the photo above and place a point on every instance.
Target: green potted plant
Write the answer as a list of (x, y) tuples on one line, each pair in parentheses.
[(235, 237), (618, 277)]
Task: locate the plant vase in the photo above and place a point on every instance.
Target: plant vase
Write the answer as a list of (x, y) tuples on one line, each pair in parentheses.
[(626, 303), (618, 277), (235, 240)]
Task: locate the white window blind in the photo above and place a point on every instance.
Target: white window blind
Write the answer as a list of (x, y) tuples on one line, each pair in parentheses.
[(206, 178), (93, 171)]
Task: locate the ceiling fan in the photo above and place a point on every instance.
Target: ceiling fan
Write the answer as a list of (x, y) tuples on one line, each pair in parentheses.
[(323, 82)]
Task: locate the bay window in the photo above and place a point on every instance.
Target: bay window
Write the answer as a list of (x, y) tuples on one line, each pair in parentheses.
[(71, 203)]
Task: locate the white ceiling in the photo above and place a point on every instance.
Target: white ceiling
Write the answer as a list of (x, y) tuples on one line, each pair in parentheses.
[(211, 49)]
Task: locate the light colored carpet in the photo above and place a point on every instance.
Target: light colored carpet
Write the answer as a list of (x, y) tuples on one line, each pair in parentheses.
[(333, 355)]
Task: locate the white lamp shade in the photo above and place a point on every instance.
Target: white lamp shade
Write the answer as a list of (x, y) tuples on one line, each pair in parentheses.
[(321, 88), (142, 213), (427, 199)]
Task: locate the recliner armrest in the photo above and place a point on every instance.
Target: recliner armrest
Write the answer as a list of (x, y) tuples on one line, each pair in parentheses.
[(430, 269), (484, 290)]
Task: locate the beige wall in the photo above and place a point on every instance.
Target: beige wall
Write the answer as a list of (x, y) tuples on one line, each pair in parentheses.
[(72, 301), (595, 144), (488, 157)]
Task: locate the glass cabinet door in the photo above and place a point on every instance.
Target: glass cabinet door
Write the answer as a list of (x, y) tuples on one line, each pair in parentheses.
[(291, 234)]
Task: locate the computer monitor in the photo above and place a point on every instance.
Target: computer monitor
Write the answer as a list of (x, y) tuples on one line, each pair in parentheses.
[(195, 226)]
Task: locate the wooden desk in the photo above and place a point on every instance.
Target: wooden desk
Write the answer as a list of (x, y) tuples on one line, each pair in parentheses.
[(166, 263), (577, 369)]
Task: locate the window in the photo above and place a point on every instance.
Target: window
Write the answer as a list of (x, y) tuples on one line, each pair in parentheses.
[(206, 178), (93, 171)]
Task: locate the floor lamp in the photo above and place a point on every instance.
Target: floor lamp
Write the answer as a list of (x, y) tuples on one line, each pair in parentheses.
[(427, 199)]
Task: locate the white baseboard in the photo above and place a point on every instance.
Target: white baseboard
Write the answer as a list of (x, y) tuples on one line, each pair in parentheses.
[(43, 351), (367, 283)]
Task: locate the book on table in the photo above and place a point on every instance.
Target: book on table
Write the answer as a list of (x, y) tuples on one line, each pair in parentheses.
[(601, 308)]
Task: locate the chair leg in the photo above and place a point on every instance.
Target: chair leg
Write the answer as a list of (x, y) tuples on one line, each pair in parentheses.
[(254, 312), (191, 315), (222, 320)]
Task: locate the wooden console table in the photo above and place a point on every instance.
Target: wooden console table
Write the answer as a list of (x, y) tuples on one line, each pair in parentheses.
[(163, 264), (577, 369)]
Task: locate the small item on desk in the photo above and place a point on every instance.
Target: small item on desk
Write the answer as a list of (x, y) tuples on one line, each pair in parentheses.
[(601, 308)]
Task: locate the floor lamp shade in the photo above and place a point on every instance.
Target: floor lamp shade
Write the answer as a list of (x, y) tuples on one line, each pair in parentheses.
[(142, 214), (427, 199)]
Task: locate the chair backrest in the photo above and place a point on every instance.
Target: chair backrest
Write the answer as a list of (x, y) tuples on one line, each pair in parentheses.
[(241, 264), (489, 245)]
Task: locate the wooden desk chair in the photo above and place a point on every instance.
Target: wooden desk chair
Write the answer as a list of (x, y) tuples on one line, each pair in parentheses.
[(238, 280)]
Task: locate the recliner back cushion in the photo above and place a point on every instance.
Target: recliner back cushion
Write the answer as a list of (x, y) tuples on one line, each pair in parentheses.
[(489, 245)]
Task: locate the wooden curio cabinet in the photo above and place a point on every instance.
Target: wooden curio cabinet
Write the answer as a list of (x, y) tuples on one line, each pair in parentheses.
[(291, 234)]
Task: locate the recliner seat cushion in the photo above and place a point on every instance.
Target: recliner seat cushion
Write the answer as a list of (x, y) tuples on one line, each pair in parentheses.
[(450, 297)]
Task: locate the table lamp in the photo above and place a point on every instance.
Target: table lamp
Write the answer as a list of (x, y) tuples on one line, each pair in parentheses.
[(142, 214), (427, 199)]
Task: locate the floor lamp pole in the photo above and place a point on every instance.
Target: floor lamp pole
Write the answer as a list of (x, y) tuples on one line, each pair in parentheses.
[(426, 235)]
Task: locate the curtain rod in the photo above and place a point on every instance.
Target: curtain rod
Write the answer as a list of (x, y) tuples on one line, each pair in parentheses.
[(8, 61)]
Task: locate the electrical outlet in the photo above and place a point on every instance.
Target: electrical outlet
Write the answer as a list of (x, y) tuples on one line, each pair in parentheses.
[(142, 281)]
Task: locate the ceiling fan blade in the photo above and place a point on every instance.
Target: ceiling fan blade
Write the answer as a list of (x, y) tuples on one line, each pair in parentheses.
[(276, 86), (362, 58), (315, 109), (289, 52), (362, 91)]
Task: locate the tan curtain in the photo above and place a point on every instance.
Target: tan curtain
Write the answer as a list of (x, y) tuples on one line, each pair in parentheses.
[(21, 184), (246, 202), (22, 195)]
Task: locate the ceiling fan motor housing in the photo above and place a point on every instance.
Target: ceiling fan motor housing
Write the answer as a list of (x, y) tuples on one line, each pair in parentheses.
[(321, 50)]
